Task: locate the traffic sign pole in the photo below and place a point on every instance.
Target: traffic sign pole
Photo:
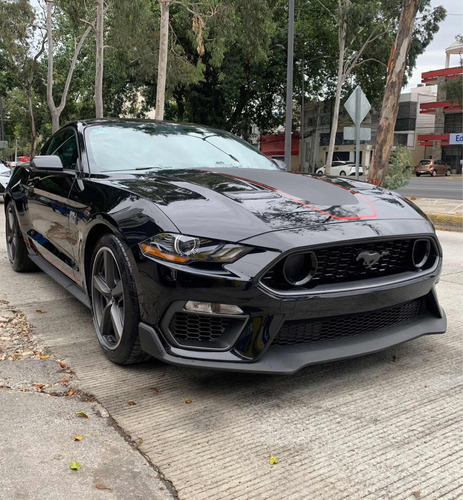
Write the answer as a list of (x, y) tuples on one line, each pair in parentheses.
[(357, 131)]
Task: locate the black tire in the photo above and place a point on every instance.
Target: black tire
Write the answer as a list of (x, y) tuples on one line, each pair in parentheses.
[(434, 173), (319, 173), (417, 174), (15, 246), (448, 173), (342, 173), (114, 300)]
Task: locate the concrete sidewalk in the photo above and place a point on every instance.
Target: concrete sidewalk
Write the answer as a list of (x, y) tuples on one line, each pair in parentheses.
[(445, 214), (47, 424)]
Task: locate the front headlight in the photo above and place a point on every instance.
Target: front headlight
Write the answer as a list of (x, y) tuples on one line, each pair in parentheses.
[(184, 249)]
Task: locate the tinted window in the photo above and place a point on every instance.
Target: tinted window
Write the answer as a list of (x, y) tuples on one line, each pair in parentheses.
[(68, 153), (425, 162), (57, 141), (144, 146)]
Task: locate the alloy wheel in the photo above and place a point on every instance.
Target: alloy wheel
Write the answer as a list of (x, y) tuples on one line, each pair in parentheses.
[(11, 234), (107, 299)]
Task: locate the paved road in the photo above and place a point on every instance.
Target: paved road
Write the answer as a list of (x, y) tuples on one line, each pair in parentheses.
[(382, 426), (447, 188)]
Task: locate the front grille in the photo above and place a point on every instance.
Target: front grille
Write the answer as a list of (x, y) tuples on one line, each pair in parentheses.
[(339, 327), (198, 327), (341, 264)]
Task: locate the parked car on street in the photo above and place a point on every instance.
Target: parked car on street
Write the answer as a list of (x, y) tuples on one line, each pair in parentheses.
[(433, 168), (340, 168), (5, 174), (190, 246)]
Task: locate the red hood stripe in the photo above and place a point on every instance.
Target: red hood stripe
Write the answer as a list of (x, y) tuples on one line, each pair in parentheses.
[(286, 195)]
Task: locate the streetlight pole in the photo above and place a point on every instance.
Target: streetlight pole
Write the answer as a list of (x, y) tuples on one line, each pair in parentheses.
[(302, 141), (289, 86)]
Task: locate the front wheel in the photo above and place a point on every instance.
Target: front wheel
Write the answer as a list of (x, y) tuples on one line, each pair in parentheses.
[(15, 246), (342, 174), (319, 173), (434, 173), (448, 173), (115, 302), (417, 174)]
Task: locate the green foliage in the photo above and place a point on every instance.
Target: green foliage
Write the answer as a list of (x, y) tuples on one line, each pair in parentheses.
[(400, 169), (454, 89)]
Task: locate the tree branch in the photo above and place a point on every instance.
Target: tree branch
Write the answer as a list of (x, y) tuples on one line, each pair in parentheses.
[(72, 67)]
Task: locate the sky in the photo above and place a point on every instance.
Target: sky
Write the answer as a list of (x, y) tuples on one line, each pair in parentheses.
[(434, 56)]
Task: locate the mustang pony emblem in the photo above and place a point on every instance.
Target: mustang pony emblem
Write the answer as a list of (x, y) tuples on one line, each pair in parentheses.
[(370, 258)]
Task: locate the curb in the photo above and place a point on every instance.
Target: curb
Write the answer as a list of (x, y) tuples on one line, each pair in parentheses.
[(447, 221)]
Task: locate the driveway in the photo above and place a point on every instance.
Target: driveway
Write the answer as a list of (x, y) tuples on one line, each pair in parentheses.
[(386, 425)]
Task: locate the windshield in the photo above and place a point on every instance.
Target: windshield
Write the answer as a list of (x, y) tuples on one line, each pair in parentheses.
[(156, 146), (425, 162)]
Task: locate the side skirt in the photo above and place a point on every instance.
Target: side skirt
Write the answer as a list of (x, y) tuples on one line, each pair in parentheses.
[(61, 279)]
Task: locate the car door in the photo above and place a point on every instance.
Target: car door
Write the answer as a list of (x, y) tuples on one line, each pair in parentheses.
[(48, 202)]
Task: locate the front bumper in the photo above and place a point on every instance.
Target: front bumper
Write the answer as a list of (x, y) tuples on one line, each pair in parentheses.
[(257, 349)]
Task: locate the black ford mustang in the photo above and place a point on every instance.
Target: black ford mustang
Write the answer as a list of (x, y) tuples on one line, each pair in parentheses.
[(192, 247)]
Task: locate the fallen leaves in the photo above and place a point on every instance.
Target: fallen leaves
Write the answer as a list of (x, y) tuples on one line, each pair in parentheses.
[(273, 460), (63, 365), (40, 311), (188, 401), (45, 356), (78, 438), (70, 393), (102, 487), (81, 414), (416, 494), (131, 403), (75, 466), (65, 380), (138, 442)]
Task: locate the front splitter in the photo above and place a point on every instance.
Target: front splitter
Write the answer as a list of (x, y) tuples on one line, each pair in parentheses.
[(286, 360)]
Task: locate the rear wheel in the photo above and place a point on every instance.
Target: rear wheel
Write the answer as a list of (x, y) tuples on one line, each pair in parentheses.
[(15, 246), (115, 302), (417, 174), (434, 173), (319, 173), (448, 173), (342, 173)]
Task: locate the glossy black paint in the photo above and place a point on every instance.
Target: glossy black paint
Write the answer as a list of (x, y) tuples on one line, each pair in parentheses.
[(62, 214)]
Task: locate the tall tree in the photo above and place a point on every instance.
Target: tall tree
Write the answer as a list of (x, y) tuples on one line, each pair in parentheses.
[(396, 70), (55, 111), (162, 64)]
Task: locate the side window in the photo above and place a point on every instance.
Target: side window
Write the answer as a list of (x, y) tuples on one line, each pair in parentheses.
[(57, 140), (68, 153)]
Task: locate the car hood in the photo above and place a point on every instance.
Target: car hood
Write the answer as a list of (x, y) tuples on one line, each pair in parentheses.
[(235, 204)]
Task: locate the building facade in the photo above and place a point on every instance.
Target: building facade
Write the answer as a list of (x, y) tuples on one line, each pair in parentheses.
[(447, 114)]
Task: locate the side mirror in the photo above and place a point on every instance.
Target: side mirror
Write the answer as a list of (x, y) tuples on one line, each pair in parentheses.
[(47, 162)]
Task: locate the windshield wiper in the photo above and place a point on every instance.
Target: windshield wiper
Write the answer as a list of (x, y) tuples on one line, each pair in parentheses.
[(132, 169)]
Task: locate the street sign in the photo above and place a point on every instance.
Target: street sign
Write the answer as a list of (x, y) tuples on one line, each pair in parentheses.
[(349, 134), (3, 144), (357, 106), (357, 110), (456, 139)]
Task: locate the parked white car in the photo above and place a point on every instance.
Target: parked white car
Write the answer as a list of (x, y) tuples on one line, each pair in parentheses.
[(340, 168)]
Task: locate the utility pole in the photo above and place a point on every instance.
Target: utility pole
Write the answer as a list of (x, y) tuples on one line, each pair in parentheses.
[(302, 122), (2, 128), (289, 86)]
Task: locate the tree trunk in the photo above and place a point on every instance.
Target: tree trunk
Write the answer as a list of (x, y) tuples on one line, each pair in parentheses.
[(99, 34), (31, 120), (337, 100), (55, 111), (162, 66), (385, 134), (50, 100)]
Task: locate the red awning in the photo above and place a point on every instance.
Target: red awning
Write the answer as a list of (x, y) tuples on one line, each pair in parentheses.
[(274, 144)]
